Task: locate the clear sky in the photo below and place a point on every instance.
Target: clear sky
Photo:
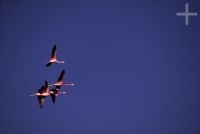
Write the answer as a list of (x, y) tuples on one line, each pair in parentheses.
[(135, 65)]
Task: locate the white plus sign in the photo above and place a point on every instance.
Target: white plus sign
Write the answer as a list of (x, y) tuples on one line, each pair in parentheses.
[(186, 14)]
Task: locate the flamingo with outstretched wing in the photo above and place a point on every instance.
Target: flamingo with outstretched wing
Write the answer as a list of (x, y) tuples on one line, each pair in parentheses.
[(60, 80), (53, 57), (42, 93), (55, 92)]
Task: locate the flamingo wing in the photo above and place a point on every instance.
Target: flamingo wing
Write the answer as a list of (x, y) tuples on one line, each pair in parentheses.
[(53, 94), (60, 79), (53, 54), (58, 87), (48, 64), (41, 90), (41, 101), (46, 86), (53, 98)]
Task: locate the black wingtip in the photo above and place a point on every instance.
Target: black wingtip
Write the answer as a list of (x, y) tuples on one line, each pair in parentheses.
[(54, 47), (61, 76), (46, 84), (63, 70), (48, 64)]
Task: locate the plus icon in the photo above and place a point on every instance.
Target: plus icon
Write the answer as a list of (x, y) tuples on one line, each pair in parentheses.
[(186, 14)]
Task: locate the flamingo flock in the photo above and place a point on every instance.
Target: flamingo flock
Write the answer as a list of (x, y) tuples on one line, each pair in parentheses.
[(44, 91)]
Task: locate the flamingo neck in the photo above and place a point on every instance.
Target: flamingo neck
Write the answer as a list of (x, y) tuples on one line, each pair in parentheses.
[(60, 61), (62, 92), (69, 84)]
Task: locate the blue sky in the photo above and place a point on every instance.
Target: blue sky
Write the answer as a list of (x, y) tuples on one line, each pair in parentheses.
[(135, 66)]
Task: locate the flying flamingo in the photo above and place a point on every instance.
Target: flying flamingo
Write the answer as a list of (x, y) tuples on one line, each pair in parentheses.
[(60, 80), (55, 92), (53, 57), (42, 93)]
